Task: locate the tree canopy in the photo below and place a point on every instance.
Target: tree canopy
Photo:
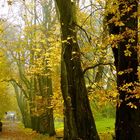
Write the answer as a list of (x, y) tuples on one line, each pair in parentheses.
[(74, 62)]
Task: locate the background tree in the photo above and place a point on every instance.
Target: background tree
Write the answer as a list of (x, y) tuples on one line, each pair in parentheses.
[(32, 84), (7, 97)]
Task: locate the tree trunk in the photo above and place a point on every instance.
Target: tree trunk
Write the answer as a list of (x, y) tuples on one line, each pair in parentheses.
[(127, 125), (78, 116), (70, 130), (47, 119), (23, 106)]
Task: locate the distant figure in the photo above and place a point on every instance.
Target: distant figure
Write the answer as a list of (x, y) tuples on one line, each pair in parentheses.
[(5, 116), (0, 126)]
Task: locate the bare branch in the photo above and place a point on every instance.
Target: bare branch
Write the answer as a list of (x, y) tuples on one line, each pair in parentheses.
[(96, 65), (80, 27)]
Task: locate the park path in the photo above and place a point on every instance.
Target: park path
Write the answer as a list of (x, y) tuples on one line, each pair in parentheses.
[(13, 131)]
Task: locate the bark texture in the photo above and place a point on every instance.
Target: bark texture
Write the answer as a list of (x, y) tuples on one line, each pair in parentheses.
[(127, 125), (79, 122)]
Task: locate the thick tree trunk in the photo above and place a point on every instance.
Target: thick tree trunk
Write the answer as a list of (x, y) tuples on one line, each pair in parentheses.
[(127, 125), (70, 130), (78, 116)]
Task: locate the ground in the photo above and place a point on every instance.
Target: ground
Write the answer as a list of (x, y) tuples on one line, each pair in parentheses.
[(16, 131), (13, 130)]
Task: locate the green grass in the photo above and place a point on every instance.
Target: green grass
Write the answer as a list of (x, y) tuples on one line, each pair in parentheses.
[(105, 124), (59, 125), (105, 127)]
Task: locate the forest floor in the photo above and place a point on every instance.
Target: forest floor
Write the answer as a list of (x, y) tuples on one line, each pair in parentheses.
[(15, 131)]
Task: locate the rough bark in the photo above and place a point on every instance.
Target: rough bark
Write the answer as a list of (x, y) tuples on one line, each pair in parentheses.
[(70, 131), (79, 122), (46, 119), (43, 122), (127, 125)]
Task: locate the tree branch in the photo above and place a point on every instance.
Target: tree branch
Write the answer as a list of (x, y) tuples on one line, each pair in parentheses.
[(80, 27), (20, 86), (96, 65)]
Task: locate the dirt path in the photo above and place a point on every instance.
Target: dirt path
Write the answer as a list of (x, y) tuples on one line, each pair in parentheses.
[(13, 131)]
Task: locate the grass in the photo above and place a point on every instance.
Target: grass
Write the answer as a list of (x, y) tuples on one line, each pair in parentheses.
[(59, 124), (105, 124), (105, 127)]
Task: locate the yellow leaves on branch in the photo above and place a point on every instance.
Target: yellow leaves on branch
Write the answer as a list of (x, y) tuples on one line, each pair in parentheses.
[(104, 97), (129, 33), (40, 105), (119, 23), (132, 105), (127, 87), (114, 40), (132, 91), (44, 48), (127, 52), (125, 71), (136, 91), (116, 20)]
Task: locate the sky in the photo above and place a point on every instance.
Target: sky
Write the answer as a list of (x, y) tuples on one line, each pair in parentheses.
[(4, 9), (10, 12)]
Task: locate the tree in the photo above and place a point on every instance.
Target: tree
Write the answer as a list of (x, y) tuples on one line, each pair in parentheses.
[(123, 28), (78, 121), (32, 83), (7, 98)]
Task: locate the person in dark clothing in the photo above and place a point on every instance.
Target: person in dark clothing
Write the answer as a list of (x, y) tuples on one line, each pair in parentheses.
[(0, 126)]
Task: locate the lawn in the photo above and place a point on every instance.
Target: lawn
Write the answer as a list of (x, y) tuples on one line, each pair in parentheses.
[(105, 124), (105, 127)]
